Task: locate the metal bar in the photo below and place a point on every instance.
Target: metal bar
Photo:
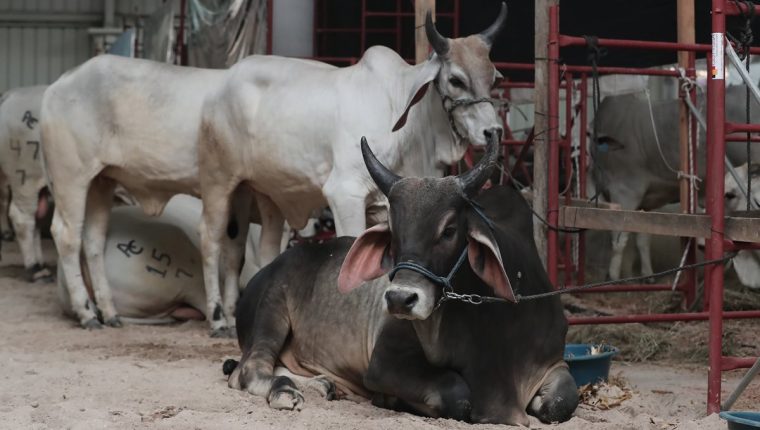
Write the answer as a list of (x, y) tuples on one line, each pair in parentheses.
[(627, 288), (587, 69), (580, 276), (735, 127), (455, 16), (742, 71), (703, 124), (565, 40), (552, 212), (270, 23), (742, 385), (33, 18), (741, 138), (716, 151), (737, 8), (653, 318), (568, 249), (733, 363)]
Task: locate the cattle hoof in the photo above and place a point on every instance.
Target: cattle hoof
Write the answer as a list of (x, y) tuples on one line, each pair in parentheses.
[(284, 395), (114, 322), (8, 236), (224, 332), (92, 324), (325, 387)]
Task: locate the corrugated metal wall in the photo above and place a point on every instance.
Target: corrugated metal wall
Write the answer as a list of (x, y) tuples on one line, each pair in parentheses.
[(41, 39)]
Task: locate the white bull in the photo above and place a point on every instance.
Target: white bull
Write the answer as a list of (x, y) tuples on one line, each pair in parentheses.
[(153, 264), (21, 171), (634, 161), (287, 128), (286, 133)]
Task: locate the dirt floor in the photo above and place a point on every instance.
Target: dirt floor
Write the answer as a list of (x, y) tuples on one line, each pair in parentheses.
[(55, 375)]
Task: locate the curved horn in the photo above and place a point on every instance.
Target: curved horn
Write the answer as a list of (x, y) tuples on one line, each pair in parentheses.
[(473, 179), (489, 34), (383, 177), (439, 43)]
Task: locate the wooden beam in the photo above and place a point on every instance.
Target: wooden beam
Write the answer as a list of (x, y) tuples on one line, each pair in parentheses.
[(740, 229), (541, 103), (528, 195), (421, 45), (685, 13)]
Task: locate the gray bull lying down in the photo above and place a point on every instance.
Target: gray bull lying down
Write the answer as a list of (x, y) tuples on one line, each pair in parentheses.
[(395, 341)]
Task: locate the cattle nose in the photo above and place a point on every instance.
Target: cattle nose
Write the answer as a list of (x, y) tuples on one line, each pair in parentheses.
[(491, 131), (730, 195), (400, 302)]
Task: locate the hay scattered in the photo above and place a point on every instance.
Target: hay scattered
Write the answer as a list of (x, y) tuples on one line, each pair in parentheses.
[(606, 395)]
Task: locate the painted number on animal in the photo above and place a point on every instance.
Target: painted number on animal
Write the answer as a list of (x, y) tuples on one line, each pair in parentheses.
[(16, 146), (36, 147), (130, 248), (22, 173), (29, 119)]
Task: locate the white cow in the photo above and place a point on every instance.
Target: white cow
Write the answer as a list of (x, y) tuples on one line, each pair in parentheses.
[(746, 263), (289, 129), (286, 133), (153, 264), (21, 172), (630, 169)]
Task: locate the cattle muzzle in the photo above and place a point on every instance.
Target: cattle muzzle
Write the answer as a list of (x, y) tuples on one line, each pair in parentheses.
[(451, 104)]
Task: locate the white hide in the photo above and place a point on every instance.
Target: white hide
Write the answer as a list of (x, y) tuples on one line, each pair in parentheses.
[(746, 263), (21, 167), (153, 264)]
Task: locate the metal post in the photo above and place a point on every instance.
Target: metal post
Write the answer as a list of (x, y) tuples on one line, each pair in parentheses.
[(580, 278), (715, 189), (569, 266), (270, 25), (690, 282), (552, 122)]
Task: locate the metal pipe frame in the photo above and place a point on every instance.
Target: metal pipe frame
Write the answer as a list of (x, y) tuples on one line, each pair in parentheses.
[(717, 130)]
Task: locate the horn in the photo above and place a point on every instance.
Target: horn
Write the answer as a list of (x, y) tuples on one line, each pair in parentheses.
[(473, 179), (383, 177), (439, 43), (489, 34)]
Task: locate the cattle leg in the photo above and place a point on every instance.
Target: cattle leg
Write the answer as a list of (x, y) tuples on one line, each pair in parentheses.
[(321, 383), (272, 225), (216, 210), (24, 225), (255, 373), (234, 249), (400, 373), (99, 202), (644, 245), (347, 201), (5, 229), (66, 229), (556, 399), (619, 241)]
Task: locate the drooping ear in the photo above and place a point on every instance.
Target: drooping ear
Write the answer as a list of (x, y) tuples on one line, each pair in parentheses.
[(485, 260), (422, 80), (364, 260)]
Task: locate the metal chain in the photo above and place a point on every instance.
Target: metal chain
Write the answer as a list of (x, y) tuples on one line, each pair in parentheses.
[(477, 299)]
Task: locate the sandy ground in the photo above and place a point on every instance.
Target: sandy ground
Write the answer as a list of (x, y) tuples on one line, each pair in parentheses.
[(55, 375)]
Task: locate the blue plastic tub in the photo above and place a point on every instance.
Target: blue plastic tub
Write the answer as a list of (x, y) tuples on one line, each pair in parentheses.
[(742, 420), (587, 368)]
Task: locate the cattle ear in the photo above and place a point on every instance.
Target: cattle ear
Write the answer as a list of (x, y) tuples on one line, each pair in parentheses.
[(364, 260), (422, 80), (485, 260)]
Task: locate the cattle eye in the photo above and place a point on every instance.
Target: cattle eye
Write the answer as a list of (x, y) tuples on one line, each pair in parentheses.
[(449, 232), (456, 82)]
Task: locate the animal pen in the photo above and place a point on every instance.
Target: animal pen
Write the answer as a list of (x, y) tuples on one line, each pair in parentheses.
[(571, 210)]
